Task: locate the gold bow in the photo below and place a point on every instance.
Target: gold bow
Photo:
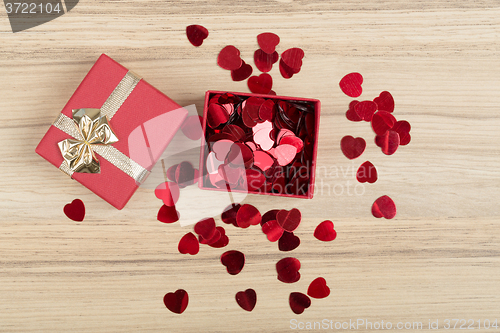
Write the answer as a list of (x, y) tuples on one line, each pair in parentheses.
[(93, 129)]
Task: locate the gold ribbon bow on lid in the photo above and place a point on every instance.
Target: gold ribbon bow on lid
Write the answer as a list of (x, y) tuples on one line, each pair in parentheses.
[(92, 129)]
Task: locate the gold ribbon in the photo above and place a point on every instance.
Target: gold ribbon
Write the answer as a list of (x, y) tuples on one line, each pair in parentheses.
[(92, 134)]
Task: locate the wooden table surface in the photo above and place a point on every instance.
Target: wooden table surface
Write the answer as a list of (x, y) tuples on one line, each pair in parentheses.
[(438, 259)]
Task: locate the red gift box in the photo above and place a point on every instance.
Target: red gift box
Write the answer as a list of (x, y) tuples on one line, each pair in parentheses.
[(145, 122), (296, 179)]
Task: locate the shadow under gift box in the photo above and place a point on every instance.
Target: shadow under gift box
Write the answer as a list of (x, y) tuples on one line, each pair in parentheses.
[(144, 124), (313, 106)]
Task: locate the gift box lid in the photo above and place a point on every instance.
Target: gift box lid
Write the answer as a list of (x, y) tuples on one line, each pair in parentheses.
[(145, 122)]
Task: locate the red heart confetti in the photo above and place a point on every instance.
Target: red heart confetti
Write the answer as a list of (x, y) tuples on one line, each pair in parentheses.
[(288, 242), (285, 71), (264, 61), (318, 288), (229, 58), (351, 114), (191, 127), (261, 84), (233, 260), (384, 207), (242, 73), (293, 58), (168, 192), (205, 228), (168, 214), (272, 230), (382, 121), (216, 115), (385, 102), (367, 173), (176, 302), (299, 302), (325, 231), (223, 239), (389, 142), (75, 210), (229, 214), (268, 42), (269, 215), (196, 34), (288, 270), (365, 109), (403, 128), (248, 215), (289, 220), (189, 244), (352, 147), (351, 84), (246, 299)]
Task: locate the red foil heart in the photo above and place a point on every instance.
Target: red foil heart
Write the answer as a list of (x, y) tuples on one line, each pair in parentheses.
[(176, 302), (351, 114), (168, 214), (389, 142), (223, 240), (248, 215), (289, 220), (268, 42), (382, 121), (242, 73), (384, 207), (318, 288), (233, 260), (299, 302), (75, 210), (216, 115), (325, 231), (246, 299), (264, 61), (272, 230), (385, 101), (196, 34), (261, 84), (293, 58), (205, 228), (189, 244), (286, 71), (351, 84), (288, 242), (288, 270), (229, 214), (365, 109), (229, 58), (168, 192), (352, 147), (403, 128), (367, 173)]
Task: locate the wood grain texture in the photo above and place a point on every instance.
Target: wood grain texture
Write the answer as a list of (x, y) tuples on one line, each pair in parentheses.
[(439, 258)]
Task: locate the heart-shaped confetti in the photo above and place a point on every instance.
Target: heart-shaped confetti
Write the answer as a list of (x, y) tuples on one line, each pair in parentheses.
[(229, 58), (352, 147), (189, 244), (185, 174), (269, 215), (351, 84), (75, 210), (365, 109), (229, 214), (196, 34), (318, 288), (299, 302), (385, 101), (403, 128), (284, 154), (288, 270), (266, 110), (272, 230), (233, 260), (261, 84), (382, 121), (248, 215), (293, 58), (223, 240), (294, 141), (191, 127), (264, 61), (216, 115), (325, 231), (268, 41), (215, 238), (384, 207), (288, 242), (168, 214), (289, 220), (246, 299), (168, 192), (285, 71), (176, 302), (367, 173), (389, 142), (351, 114), (205, 228), (242, 73)]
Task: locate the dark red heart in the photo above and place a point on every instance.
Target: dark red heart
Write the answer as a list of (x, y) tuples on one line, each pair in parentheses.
[(264, 61), (403, 128), (299, 302), (248, 215), (168, 192), (385, 101), (365, 109), (318, 288), (205, 228), (176, 302), (242, 73), (269, 215), (272, 230), (185, 174), (289, 220), (192, 127), (216, 115), (229, 58), (246, 299), (288, 270), (351, 114), (223, 240), (351, 84), (352, 147), (325, 231), (293, 58), (168, 214), (75, 210), (215, 238), (384, 207), (196, 34), (286, 71), (268, 41), (382, 121), (189, 244), (229, 214), (261, 84), (266, 110), (389, 142), (233, 260), (367, 173), (288, 242)]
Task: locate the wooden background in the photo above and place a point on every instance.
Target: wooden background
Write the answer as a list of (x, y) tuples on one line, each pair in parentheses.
[(438, 259)]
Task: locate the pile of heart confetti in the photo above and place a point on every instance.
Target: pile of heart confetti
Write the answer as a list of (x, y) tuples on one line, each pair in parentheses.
[(389, 135), (258, 144)]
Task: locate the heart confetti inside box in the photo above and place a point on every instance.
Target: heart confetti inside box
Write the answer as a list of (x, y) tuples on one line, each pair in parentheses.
[(112, 131), (260, 144)]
